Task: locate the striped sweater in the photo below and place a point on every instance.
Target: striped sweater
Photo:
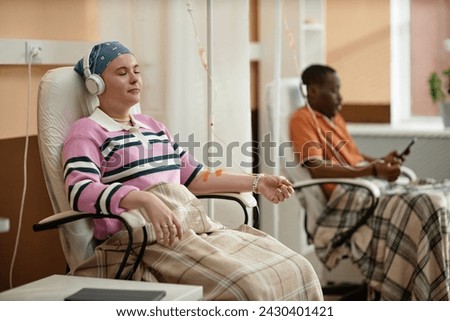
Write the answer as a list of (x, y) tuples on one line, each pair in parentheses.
[(104, 161)]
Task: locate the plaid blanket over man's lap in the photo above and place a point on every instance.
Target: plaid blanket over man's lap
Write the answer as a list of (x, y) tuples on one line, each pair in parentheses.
[(402, 249)]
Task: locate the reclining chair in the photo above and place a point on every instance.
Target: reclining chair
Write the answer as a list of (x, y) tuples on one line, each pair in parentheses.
[(309, 192), (313, 201), (62, 99)]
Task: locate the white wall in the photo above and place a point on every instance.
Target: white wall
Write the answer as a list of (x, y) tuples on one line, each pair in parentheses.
[(162, 35), (429, 155), (167, 41)]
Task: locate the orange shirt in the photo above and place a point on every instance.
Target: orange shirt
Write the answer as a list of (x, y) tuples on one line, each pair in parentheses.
[(321, 138), (315, 136)]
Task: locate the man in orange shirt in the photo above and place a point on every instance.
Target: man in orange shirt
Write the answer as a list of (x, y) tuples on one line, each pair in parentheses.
[(402, 248), (320, 135)]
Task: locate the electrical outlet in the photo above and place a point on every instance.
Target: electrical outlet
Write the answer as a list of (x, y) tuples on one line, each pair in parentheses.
[(34, 46), (447, 44)]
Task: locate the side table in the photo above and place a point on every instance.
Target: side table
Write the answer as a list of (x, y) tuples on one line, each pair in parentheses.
[(58, 287)]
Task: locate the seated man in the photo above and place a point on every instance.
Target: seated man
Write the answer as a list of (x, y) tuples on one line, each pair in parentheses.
[(403, 247)]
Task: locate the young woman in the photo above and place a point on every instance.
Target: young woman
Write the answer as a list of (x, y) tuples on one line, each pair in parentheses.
[(115, 162)]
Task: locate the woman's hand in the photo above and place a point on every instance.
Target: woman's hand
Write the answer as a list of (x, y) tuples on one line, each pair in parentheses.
[(275, 188), (165, 223)]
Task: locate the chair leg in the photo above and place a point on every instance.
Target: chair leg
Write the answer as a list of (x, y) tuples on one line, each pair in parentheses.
[(346, 291)]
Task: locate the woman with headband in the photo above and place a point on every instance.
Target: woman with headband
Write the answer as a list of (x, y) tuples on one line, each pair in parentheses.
[(115, 161)]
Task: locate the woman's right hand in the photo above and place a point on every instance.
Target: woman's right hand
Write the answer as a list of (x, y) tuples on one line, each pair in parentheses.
[(276, 189), (165, 223)]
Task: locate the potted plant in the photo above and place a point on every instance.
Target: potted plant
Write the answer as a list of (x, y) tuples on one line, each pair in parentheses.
[(441, 96)]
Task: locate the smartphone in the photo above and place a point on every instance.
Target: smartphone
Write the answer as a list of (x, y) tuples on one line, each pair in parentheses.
[(406, 150)]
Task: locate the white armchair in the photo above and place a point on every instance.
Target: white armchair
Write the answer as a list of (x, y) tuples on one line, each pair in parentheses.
[(62, 99)]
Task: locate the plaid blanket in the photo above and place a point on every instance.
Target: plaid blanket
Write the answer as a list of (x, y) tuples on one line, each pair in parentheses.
[(230, 264), (403, 247)]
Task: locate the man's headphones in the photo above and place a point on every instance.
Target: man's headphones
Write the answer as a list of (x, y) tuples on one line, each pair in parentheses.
[(303, 90), (93, 82)]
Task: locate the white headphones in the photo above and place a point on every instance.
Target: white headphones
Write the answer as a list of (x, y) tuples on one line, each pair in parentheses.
[(303, 90), (93, 82)]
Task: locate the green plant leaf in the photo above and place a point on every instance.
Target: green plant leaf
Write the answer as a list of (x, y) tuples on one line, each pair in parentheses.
[(435, 87)]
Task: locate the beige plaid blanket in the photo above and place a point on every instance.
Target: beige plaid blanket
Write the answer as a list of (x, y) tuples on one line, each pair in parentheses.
[(230, 264), (402, 249)]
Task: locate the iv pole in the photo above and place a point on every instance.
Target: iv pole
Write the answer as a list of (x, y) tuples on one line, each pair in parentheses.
[(276, 103), (210, 111)]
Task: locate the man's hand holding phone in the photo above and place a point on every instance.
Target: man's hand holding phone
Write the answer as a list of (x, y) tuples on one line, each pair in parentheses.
[(396, 157), (407, 149)]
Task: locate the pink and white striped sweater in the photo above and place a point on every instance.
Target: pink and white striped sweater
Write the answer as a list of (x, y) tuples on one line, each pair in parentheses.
[(104, 161)]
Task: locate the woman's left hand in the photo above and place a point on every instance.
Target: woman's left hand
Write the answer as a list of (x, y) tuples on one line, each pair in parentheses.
[(275, 188)]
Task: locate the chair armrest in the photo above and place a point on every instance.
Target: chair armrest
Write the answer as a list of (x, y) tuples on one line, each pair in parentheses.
[(408, 173), (364, 183), (371, 187), (246, 200), (132, 218), (54, 221)]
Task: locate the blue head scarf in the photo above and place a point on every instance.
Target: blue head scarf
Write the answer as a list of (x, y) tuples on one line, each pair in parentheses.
[(101, 56)]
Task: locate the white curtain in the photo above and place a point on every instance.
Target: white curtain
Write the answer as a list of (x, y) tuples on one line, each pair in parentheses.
[(162, 35)]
